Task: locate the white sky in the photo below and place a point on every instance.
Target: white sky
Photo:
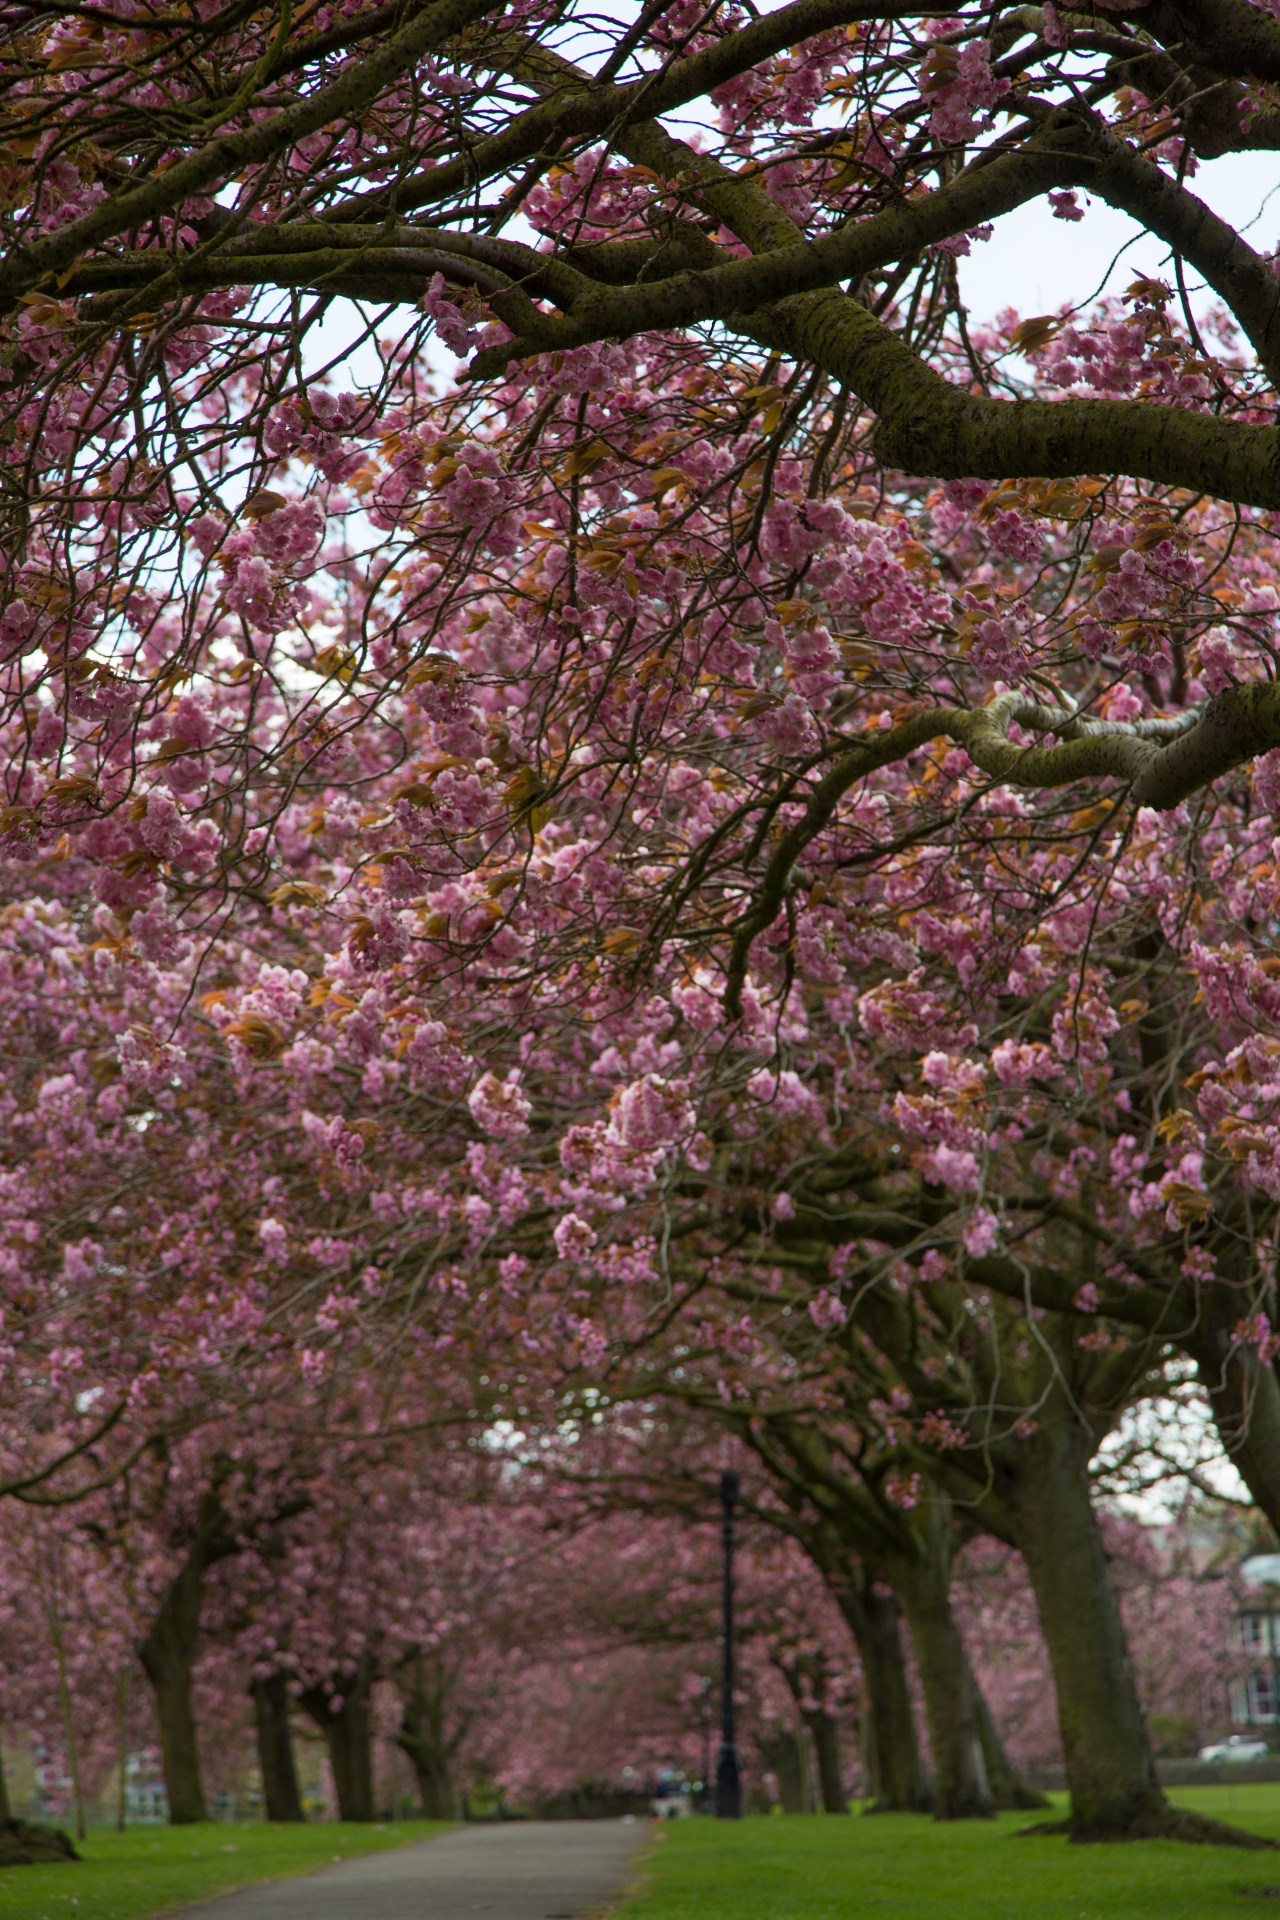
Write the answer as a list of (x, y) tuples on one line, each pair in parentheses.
[(1036, 263)]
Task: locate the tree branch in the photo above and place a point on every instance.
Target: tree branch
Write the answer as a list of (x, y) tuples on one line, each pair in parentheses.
[(1160, 761)]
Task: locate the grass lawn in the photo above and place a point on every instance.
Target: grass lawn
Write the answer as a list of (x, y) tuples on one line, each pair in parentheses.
[(150, 1870), (902, 1867)]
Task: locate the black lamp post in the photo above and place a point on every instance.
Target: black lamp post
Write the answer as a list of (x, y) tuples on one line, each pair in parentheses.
[(728, 1780)]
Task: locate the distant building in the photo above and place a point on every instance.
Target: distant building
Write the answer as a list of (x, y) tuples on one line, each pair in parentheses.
[(1256, 1635), (146, 1802)]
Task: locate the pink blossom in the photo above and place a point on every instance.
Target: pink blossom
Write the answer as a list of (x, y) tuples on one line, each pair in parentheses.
[(980, 1233), (574, 1237), (274, 1238), (500, 1107), (826, 1310)]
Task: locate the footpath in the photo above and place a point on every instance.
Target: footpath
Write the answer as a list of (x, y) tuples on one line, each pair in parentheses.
[(528, 1870)]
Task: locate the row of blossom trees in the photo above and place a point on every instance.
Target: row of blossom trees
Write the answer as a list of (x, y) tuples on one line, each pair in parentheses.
[(715, 874), (531, 1646)]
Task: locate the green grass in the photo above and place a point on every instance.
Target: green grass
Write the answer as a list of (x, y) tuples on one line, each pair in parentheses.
[(152, 1870), (900, 1867)]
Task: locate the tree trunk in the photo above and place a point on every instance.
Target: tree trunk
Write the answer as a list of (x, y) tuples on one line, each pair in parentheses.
[(826, 1745), (891, 1749), (68, 1723), (1244, 1393), (122, 1745), (168, 1654), (348, 1735), (1110, 1770), (421, 1736), (6, 1811), (1009, 1790), (806, 1676), (169, 1671), (786, 1753), (922, 1581), (275, 1748)]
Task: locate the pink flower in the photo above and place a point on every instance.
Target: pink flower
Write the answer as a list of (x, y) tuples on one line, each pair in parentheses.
[(378, 940), (827, 1311), (1014, 1062), (953, 1167), (1256, 1331), (650, 1114), (574, 1237), (208, 533), (980, 1233), (784, 1092), (450, 322), (80, 1259), (499, 1107), (275, 1241)]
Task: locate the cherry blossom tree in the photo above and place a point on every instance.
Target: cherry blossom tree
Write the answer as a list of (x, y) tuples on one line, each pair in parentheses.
[(722, 842)]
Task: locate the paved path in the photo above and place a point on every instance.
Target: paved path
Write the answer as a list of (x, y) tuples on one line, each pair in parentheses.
[(529, 1870)]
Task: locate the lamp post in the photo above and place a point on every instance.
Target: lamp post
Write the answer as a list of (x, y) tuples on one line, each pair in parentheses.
[(728, 1780)]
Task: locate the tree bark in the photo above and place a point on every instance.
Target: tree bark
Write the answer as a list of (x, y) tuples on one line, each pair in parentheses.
[(1009, 1790), (348, 1735), (786, 1753), (168, 1654), (1244, 1393), (806, 1678), (421, 1735), (825, 1734), (1110, 1770), (922, 1581), (891, 1748), (275, 1748), (122, 1745)]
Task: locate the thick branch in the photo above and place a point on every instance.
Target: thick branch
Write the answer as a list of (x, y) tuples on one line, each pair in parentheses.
[(1066, 152), (1161, 762), (929, 427), (1236, 39)]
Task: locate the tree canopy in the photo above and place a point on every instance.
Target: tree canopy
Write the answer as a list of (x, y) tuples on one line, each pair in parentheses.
[(719, 856)]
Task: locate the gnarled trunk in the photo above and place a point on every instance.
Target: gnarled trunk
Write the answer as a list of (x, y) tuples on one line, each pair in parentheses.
[(342, 1713), (168, 1654), (825, 1734), (1110, 1770), (275, 1748), (1244, 1393), (786, 1753), (891, 1750), (806, 1677), (922, 1582), (421, 1735), (1009, 1790)]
